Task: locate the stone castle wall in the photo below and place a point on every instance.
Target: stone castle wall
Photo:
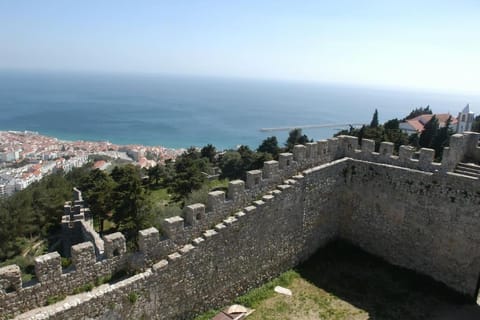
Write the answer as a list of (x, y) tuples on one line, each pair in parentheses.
[(422, 221), (269, 223)]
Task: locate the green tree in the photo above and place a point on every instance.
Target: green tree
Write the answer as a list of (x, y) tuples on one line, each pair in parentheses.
[(377, 134), (231, 165), (414, 139), (418, 112), (270, 145), (97, 190), (32, 213), (190, 173), (155, 174), (392, 124), (76, 175), (168, 175), (429, 132), (361, 134), (392, 133), (235, 164), (476, 124), (131, 202), (442, 138), (295, 136), (209, 152), (374, 122)]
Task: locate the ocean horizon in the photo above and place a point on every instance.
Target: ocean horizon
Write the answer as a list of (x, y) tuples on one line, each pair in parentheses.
[(184, 111)]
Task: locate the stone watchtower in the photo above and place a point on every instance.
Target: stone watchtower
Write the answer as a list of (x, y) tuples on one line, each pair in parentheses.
[(77, 225), (465, 120)]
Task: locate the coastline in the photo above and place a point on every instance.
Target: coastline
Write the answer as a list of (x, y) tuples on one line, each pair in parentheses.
[(179, 112), (25, 144)]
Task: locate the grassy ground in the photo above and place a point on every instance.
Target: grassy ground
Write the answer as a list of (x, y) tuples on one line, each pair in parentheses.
[(160, 196), (343, 282)]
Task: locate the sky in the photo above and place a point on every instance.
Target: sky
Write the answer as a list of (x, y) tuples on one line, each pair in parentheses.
[(425, 44)]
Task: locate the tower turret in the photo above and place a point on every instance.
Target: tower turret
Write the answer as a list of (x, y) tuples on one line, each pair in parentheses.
[(465, 120)]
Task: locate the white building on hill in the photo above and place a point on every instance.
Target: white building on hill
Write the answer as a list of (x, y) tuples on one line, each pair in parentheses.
[(416, 124), (465, 120)]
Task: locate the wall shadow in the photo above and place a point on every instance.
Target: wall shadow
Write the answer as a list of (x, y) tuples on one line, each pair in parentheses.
[(381, 289)]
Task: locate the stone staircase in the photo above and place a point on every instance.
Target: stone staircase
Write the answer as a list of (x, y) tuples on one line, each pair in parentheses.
[(468, 169)]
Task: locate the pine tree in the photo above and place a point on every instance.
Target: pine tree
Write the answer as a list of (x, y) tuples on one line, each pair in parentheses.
[(374, 123), (209, 152), (430, 130), (270, 145), (295, 137), (132, 206), (476, 124), (97, 189)]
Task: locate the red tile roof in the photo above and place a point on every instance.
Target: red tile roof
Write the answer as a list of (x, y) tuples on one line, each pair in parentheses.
[(415, 124), (98, 164), (419, 122)]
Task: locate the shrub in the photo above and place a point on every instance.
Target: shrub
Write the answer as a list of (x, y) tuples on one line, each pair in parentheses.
[(133, 297), (55, 299)]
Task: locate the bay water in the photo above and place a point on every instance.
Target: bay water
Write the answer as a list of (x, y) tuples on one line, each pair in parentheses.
[(182, 111)]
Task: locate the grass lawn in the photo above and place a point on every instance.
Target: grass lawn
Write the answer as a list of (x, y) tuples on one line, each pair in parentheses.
[(218, 184), (107, 225), (160, 196), (343, 282)]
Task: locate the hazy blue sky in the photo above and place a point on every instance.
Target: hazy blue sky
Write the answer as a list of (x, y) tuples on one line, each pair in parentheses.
[(417, 44)]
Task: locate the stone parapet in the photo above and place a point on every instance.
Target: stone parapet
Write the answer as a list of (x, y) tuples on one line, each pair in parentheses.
[(271, 222)]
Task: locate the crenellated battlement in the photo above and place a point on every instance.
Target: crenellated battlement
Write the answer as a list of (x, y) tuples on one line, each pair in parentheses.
[(463, 147), (180, 235), (283, 206)]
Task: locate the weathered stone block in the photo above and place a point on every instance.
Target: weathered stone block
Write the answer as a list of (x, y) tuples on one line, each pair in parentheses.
[(186, 248), (162, 264), (230, 220), (209, 233), (350, 144), (114, 244), (194, 213), (236, 190), (249, 209), (268, 198), (10, 279), (148, 239), (174, 256), (456, 143), (198, 241), (405, 153), (215, 200), (322, 148), (386, 149), (173, 227), (333, 148), (471, 144), (83, 255), (270, 169), (219, 227), (48, 267), (311, 151), (299, 152), (426, 158), (368, 146), (77, 209), (77, 194), (285, 160), (254, 178)]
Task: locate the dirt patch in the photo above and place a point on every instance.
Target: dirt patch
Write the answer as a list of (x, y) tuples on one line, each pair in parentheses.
[(342, 281), (308, 302)]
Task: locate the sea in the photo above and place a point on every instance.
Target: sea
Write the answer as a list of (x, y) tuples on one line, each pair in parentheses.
[(184, 111)]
